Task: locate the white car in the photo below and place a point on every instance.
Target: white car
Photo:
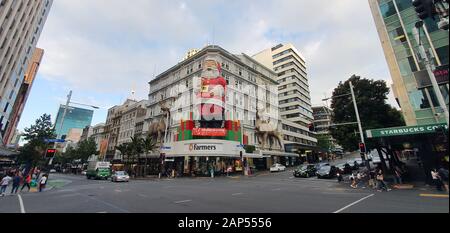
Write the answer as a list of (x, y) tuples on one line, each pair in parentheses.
[(120, 176), (83, 172), (52, 171), (277, 168)]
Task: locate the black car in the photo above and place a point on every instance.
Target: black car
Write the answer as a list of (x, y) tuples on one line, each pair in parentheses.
[(320, 165), (305, 171), (344, 168), (327, 172)]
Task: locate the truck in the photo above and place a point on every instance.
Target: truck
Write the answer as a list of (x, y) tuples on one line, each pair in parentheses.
[(98, 170)]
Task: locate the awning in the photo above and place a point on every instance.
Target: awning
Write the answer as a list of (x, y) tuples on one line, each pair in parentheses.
[(266, 153), (253, 156)]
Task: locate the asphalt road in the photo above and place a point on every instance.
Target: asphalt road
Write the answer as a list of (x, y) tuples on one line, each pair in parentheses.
[(265, 193)]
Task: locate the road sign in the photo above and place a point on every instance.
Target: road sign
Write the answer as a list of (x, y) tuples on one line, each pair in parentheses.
[(54, 140)]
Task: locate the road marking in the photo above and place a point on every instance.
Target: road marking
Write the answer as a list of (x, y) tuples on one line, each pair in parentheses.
[(291, 177), (352, 204), (142, 195), (118, 190), (22, 208), (184, 201), (434, 195), (236, 194), (102, 212), (278, 189)]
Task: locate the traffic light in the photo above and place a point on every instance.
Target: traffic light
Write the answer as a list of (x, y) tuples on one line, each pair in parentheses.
[(50, 153), (311, 127), (362, 147), (424, 8)]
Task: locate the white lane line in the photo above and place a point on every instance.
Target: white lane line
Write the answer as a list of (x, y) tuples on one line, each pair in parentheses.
[(22, 208), (102, 212), (291, 177), (278, 189), (183, 201), (352, 204), (142, 195), (236, 194)]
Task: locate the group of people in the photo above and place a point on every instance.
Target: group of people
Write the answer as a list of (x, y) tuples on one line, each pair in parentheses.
[(17, 178), (376, 180)]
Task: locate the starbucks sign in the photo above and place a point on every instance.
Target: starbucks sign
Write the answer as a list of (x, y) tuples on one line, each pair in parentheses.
[(407, 130)]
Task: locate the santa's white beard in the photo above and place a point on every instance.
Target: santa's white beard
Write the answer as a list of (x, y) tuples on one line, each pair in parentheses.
[(211, 74)]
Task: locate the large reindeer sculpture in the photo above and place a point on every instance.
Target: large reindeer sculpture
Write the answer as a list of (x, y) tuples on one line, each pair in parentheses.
[(157, 129), (265, 130)]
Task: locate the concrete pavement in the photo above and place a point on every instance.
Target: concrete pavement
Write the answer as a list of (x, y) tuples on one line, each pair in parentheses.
[(270, 193)]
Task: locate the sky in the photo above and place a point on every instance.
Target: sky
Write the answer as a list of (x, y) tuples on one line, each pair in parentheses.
[(104, 49)]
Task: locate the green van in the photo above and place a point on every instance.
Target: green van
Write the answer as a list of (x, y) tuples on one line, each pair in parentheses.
[(98, 170)]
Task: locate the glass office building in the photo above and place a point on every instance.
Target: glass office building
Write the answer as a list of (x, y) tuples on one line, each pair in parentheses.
[(75, 118), (395, 20)]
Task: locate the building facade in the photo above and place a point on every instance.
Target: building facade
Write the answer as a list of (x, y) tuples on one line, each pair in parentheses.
[(22, 95), (322, 122), (98, 134), (75, 118), (395, 20), (294, 95), (242, 90), (21, 23), (87, 133)]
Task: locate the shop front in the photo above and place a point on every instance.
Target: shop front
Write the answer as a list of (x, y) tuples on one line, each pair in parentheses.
[(203, 157)]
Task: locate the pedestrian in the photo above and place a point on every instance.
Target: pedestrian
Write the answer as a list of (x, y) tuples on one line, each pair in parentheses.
[(26, 182), (42, 182), (5, 182), (381, 184), (372, 181), (353, 181), (436, 179), (398, 175), (16, 183), (443, 174)]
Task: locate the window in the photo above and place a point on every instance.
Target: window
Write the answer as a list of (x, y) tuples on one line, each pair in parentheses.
[(403, 4), (397, 36), (387, 9), (6, 107)]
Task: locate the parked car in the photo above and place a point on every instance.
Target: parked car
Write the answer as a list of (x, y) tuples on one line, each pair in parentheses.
[(277, 168), (327, 172), (305, 171), (120, 176), (52, 171), (83, 172), (320, 165)]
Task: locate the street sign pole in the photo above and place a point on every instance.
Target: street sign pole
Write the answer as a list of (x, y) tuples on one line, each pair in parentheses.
[(361, 134)]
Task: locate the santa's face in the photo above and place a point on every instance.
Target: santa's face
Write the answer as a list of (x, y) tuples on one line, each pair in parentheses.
[(210, 69)]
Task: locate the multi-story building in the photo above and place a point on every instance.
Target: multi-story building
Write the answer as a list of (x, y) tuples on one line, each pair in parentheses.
[(22, 95), (294, 95), (21, 23), (322, 122), (75, 118), (395, 20), (99, 136), (87, 133), (250, 88), (129, 121)]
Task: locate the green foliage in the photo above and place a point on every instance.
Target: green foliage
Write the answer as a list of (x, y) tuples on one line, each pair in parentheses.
[(33, 151), (323, 142), (86, 149), (374, 111)]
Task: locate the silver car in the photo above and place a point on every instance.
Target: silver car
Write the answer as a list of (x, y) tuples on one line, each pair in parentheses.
[(120, 176)]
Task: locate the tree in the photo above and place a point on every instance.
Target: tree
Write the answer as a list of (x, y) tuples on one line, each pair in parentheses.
[(374, 111), (125, 150), (86, 149), (323, 142), (148, 145), (33, 152)]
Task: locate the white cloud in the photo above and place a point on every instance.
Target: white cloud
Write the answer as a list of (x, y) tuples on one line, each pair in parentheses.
[(108, 46)]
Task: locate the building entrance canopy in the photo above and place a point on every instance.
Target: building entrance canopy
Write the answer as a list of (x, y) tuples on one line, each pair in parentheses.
[(203, 148), (403, 131)]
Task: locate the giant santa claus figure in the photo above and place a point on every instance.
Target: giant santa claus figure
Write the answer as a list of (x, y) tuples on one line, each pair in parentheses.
[(211, 95)]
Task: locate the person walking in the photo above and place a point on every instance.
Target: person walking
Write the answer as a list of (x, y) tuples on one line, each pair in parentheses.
[(353, 181), (381, 184), (443, 174), (16, 183), (398, 175), (42, 182), (5, 182), (372, 181), (26, 183), (436, 179)]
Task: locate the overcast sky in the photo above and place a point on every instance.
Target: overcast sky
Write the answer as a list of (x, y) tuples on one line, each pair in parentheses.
[(102, 49)]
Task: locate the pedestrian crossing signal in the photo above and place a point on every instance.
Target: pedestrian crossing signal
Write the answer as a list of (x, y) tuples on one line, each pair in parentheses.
[(50, 153), (362, 147)]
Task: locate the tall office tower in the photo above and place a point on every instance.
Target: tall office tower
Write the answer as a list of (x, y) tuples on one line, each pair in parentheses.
[(75, 118), (294, 96), (22, 96), (395, 20), (21, 23)]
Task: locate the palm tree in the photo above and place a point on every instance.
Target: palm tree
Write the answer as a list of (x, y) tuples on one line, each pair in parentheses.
[(136, 147), (148, 146), (124, 149)]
